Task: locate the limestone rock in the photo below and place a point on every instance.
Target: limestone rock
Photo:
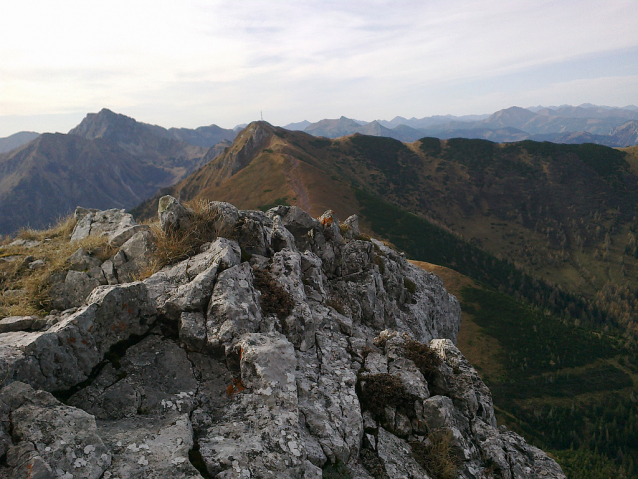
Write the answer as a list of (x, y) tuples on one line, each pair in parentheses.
[(172, 215), (396, 457), (194, 363), (117, 225), (65, 354), (234, 308), (352, 222), (253, 231), (21, 323), (226, 217), (134, 256), (145, 447), (73, 290), (50, 438), (82, 261)]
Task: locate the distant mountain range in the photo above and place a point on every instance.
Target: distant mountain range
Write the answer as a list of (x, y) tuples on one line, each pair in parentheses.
[(609, 126), (586, 123), (16, 140), (111, 160), (108, 161)]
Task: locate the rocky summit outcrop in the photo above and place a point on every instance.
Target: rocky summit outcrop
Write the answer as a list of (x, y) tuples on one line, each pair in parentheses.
[(280, 350)]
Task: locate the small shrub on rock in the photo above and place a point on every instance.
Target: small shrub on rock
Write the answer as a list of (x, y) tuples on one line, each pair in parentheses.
[(274, 298), (436, 456), (373, 464), (338, 305), (409, 285), (378, 391), (423, 357)]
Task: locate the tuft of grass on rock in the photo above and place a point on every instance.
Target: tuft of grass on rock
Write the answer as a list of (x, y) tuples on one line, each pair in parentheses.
[(34, 285), (435, 455), (176, 245)]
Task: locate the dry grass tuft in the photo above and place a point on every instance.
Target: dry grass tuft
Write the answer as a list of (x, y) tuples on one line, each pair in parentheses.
[(35, 284), (436, 456), (62, 229), (174, 246)]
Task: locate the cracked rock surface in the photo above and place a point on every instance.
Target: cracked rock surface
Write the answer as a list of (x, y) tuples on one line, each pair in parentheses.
[(284, 349)]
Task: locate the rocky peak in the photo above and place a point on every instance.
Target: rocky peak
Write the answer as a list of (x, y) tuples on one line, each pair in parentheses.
[(248, 144), (287, 347), (103, 124)]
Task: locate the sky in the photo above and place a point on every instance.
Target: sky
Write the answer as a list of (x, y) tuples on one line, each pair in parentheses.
[(190, 63)]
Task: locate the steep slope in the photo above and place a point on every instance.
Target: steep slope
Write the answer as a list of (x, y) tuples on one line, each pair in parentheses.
[(50, 176), (149, 143), (16, 140), (626, 134), (515, 117), (498, 336)]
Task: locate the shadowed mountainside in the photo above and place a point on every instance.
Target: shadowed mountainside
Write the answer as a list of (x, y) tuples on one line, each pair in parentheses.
[(17, 140), (107, 161)]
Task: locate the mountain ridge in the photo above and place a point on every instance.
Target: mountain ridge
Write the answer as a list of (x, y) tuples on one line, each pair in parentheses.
[(144, 158), (607, 126)]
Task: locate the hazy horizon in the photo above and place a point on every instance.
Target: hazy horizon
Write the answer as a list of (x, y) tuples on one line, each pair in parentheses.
[(196, 63)]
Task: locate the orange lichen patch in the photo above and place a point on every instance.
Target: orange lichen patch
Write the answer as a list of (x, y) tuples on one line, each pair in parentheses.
[(327, 221), (70, 340), (236, 387)]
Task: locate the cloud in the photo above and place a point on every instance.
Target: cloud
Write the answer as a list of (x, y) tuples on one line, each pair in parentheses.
[(197, 62)]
